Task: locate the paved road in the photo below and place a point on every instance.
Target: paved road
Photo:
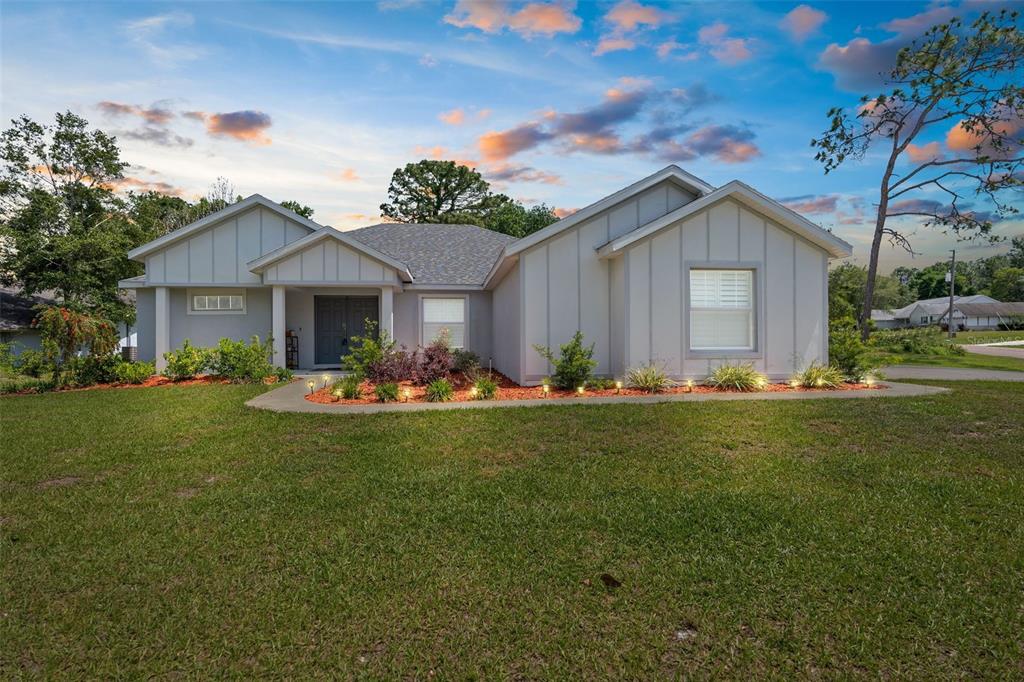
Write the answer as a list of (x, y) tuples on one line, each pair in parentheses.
[(950, 373), (1001, 351)]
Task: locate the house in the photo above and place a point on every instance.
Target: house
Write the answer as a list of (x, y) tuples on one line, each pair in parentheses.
[(17, 311), (969, 312), (669, 270)]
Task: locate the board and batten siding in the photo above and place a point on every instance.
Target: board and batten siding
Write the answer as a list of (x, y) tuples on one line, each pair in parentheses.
[(790, 295), (219, 254), (329, 261), (565, 287), (506, 316)]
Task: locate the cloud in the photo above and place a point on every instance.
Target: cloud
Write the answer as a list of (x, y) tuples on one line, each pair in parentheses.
[(346, 175), (599, 129), (507, 172), (810, 203), (533, 19), (613, 44), (564, 212), (960, 139), (860, 64), (158, 136), (919, 23), (129, 183), (390, 5), (428, 60), (156, 114), (629, 15), (722, 47), (802, 21), (667, 48), (923, 153), (246, 125), (458, 116), (439, 153), (147, 34)]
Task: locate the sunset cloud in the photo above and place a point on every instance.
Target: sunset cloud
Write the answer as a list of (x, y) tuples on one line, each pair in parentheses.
[(507, 172), (346, 175), (246, 125), (439, 153), (802, 21), (960, 139), (669, 47), (613, 44), (721, 46), (629, 15), (923, 153), (727, 143), (812, 204), (919, 23), (533, 19), (156, 114), (458, 116), (564, 212)]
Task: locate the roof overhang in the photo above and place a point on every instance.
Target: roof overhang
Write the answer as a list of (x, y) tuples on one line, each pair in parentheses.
[(833, 245), (139, 253), (324, 233)]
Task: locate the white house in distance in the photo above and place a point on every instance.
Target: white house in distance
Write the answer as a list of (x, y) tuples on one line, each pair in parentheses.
[(669, 270), (969, 312)]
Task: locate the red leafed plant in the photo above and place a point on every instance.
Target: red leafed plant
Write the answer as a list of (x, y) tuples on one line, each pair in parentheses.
[(66, 331)]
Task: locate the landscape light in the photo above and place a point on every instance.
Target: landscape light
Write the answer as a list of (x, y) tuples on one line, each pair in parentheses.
[(407, 393), (689, 385), (546, 389), (337, 394), (869, 380), (472, 392), (579, 389), (326, 378), (618, 386), (794, 383), (312, 385), (819, 382)]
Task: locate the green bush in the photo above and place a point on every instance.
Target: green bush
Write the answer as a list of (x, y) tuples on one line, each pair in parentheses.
[(575, 365), (648, 378), (134, 372), (25, 384), (32, 362), (847, 352), (486, 388), (187, 362), (241, 362), (90, 370), (600, 384), (349, 387), (7, 358), (820, 376), (386, 393), (465, 361), (917, 341), (737, 378), (440, 391), (283, 374)]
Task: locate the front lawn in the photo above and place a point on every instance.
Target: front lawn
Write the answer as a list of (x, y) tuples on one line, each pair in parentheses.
[(972, 360), (989, 336), (172, 532)]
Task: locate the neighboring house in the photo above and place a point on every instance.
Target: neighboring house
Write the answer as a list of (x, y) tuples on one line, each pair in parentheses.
[(969, 312), (669, 270), (17, 312)]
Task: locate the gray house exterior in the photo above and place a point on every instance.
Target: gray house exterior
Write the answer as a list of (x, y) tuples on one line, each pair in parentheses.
[(669, 270)]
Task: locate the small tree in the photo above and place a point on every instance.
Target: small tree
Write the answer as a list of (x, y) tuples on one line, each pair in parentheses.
[(956, 79), (574, 366), (65, 332)]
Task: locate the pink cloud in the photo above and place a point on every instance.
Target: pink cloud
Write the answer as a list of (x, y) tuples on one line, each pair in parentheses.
[(439, 153), (499, 146), (722, 47), (667, 48), (156, 115), (346, 175), (811, 203), (508, 172), (455, 117), (923, 153), (802, 21), (535, 18), (919, 23), (628, 15), (565, 212), (246, 125), (613, 44)]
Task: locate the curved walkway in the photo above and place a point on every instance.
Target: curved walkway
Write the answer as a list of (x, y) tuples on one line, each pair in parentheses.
[(950, 373), (289, 398)]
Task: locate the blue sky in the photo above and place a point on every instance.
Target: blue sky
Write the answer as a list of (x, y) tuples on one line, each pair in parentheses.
[(559, 102)]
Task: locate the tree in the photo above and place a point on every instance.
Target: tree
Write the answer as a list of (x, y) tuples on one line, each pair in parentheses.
[(951, 76), (439, 192), (1016, 254), (846, 284), (296, 207), (1008, 285), (512, 218), (65, 229)]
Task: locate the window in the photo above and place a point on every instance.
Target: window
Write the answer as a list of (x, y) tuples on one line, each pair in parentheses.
[(218, 303), (721, 310), (440, 314)]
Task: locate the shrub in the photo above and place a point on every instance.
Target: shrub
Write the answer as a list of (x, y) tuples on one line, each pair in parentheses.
[(820, 376), (737, 378), (91, 370), (65, 331), (486, 388), (241, 362), (575, 365), (377, 358), (349, 387), (134, 372), (440, 391), (386, 393), (435, 361), (283, 374), (24, 384), (7, 357), (648, 378), (187, 362), (465, 361), (396, 364), (919, 341), (32, 362), (847, 352)]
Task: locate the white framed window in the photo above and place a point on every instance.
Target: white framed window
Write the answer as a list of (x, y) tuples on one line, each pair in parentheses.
[(441, 314), (721, 310), (216, 302)]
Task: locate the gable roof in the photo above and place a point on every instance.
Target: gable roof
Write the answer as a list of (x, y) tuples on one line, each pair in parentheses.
[(140, 252), (936, 306), (836, 247), (690, 182), (17, 311), (278, 254), (438, 253)]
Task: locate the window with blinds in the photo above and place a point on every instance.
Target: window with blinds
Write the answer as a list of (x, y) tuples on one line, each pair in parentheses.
[(721, 310), (216, 303), (440, 314)]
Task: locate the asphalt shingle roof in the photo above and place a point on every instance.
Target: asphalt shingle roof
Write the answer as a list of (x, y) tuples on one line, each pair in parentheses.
[(437, 253), (17, 310)]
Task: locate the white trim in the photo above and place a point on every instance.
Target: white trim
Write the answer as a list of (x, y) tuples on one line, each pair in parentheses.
[(258, 265), (139, 252), (190, 293), (465, 316), (443, 287), (796, 223)]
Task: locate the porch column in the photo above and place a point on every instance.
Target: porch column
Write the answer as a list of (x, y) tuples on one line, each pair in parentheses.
[(278, 327), (162, 327), (387, 315)]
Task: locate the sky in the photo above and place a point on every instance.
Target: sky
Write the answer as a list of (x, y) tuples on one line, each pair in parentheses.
[(558, 102)]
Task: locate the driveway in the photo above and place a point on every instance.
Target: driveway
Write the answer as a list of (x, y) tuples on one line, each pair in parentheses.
[(950, 373), (1002, 351)]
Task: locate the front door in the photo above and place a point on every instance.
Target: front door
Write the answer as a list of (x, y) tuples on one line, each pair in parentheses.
[(338, 319)]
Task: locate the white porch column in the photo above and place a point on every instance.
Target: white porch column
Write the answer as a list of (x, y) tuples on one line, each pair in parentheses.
[(162, 327), (278, 327), (387, 314)]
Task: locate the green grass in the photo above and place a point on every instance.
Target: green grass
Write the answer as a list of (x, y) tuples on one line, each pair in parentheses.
[(989, 336), (972, 360), (172, 532)]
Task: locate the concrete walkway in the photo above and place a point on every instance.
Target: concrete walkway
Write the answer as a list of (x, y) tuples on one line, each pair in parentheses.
[(950, 373), (289, 398)]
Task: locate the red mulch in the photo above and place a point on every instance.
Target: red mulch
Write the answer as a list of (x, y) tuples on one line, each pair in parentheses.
[(153, 381), (509, 390)]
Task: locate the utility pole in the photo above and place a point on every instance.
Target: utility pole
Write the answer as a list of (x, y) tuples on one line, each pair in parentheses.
[(952, 290)]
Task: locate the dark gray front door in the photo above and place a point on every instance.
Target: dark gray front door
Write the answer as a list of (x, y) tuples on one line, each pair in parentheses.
[(337, 320)]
